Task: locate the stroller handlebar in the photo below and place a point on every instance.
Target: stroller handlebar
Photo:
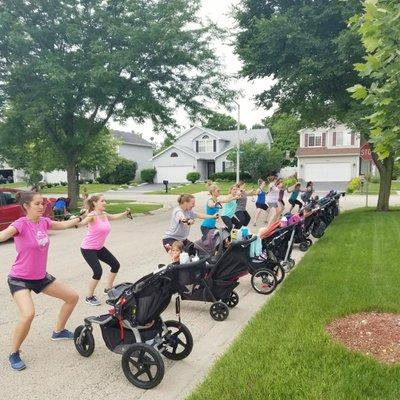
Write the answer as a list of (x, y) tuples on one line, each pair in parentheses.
[(244, 242)]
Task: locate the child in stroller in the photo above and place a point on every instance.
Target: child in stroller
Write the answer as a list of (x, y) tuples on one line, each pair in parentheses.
[(134, 328)]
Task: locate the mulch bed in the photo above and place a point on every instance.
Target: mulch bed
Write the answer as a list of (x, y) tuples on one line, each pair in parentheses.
[(371, 333)]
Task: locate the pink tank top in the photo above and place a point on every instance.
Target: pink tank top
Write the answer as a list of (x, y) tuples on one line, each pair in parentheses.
[(97, 233)]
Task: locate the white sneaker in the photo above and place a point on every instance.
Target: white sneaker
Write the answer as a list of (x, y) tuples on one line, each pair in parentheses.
[(93, 301)]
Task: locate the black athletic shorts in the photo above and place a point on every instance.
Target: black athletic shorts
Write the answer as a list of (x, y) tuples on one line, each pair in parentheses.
[(263, 206), (37, 286)]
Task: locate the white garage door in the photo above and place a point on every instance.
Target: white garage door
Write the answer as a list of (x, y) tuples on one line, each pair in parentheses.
[(328, 172), (173, 174)]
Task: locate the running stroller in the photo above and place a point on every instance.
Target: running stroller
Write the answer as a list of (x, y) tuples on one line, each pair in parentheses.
[(134, 328)]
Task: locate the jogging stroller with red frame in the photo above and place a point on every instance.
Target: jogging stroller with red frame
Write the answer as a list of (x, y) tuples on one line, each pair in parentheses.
[(134, 328)]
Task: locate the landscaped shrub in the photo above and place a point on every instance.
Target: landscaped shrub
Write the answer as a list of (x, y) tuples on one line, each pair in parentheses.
[(147, 175), (193, 177), (229, 176), (63, 183), (375, 179), (289, 181), (354, 185), (124, 172)]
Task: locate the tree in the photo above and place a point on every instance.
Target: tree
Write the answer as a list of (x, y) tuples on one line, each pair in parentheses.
[(257, 159), (380, 29), (284, 130), (310, 51), (169, 140), (67, 67), (222, 122)]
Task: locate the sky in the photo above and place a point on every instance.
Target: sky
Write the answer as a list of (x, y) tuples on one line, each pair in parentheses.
[(219, 12)]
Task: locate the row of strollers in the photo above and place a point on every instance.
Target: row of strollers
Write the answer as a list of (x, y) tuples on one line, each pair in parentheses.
[(134, 328)]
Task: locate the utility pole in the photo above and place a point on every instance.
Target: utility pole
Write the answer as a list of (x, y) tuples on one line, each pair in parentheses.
[(238, 143)]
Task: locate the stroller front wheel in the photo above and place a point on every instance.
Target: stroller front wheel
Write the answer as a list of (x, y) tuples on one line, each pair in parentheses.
[(178, 341), (219, 311), (84, 341), (143, 366), (232, 300), (303, 246), (263, 281)]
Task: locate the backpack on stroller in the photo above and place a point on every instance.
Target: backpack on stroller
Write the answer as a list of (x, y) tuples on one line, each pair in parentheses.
[(134, 328)]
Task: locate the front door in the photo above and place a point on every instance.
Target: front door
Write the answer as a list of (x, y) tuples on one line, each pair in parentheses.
[(210, 169)]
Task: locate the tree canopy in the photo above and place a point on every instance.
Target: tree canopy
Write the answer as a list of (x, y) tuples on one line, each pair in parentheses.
[(222, 122), (257, 159), (67, 67)]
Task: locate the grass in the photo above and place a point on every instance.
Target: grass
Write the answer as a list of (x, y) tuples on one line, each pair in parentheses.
[(200, 187), (91, 188), (119, 206), (373, 188), (285, 353)]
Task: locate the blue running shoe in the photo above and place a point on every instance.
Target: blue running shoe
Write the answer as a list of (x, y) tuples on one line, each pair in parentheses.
[(16, 363), (65, 334)]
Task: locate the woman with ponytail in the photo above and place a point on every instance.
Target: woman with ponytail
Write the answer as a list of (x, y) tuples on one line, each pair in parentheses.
[(92, 247), (29, 271)]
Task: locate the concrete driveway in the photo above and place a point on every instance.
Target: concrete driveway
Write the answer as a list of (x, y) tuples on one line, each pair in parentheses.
[(56, 371)]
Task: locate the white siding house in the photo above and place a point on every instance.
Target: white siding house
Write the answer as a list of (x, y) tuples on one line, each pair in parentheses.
[(202, 150)]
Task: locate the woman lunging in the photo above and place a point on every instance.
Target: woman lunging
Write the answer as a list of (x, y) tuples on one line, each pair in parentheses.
[(260, 202), (92, 247), (29, 271), (293, 199)]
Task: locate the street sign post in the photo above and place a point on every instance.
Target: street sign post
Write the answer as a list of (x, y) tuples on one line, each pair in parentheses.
[(366, 154)]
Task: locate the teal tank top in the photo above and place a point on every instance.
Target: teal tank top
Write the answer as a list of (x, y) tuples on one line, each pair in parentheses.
[(210, 222)]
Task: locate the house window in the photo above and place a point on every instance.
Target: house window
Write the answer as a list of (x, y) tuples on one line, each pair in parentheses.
[(205, 145), (315, 140), (174, 155), (343, 139), (228, 166)]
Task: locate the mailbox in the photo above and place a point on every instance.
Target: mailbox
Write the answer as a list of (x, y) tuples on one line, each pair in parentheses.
[(165, 182)]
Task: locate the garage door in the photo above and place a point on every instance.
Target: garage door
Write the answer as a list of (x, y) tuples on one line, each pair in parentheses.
[(174, 174), (328, 172)]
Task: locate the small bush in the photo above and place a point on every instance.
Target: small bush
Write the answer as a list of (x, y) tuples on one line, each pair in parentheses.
[(193, 177), (229, 176), (375, 179), (289, 181), (89, 181), (124, 172), (63, 183), (49, 185), (147, 175), (354, 185)]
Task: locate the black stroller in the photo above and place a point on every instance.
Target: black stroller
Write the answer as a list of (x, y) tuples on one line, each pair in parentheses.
[(134, 328)]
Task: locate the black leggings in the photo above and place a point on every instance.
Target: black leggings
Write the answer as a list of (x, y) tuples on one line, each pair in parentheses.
[(294, 202), (93, 258), (243, 217), (228, 222)]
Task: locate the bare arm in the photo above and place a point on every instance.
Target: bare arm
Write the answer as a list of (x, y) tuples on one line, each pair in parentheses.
[(206, 216), (60, 225), (113, 217), (8, 233)]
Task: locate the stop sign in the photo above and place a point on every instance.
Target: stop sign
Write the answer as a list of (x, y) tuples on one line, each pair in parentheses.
[(365, 152)]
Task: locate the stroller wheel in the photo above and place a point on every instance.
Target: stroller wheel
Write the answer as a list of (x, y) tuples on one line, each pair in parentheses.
[(219, 311), (84, 341), (279, 273), (263, 281), (143, 365), (292, 263), (309, 242), (178, 341), (233, 300), (303, 246)]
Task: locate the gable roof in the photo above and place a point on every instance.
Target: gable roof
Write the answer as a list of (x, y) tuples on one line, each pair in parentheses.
[(131, 138), (261, 135), (184, 149)]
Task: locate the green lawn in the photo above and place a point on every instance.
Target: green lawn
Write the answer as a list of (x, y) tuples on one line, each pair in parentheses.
[(284, 352), (200, 187), (91, 188), (373, 188), (115, 208)]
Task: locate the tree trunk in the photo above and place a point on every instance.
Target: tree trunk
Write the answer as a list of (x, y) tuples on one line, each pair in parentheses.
[(73, 188), (385, 168)]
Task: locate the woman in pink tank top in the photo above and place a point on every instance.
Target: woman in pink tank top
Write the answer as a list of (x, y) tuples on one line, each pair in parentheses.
[(29, 271), (92, 247)]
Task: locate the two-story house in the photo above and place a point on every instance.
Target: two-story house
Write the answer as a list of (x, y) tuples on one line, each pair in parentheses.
[(330, 154), (203, 150)]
